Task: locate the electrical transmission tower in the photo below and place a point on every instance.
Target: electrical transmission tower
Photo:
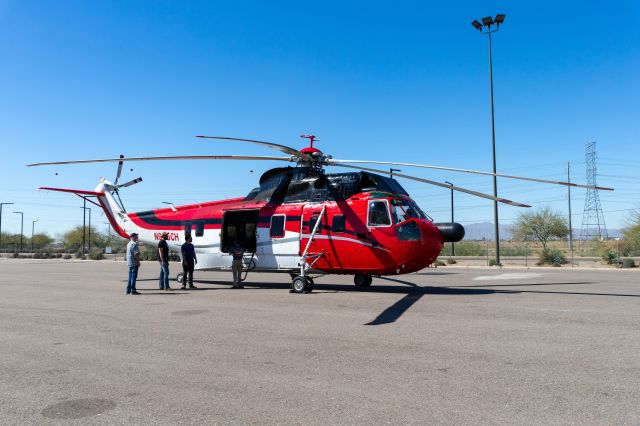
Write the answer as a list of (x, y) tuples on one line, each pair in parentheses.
[(593, 226)]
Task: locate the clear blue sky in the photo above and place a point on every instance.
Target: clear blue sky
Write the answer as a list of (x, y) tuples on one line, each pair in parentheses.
[(404, 81)]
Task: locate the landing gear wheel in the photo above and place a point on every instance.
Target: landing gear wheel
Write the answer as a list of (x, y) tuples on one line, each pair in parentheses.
[(361, 280), (312, 285), (180, 277), (301, 284)]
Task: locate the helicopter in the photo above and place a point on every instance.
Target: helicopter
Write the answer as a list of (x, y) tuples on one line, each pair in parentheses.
[(299, 220)]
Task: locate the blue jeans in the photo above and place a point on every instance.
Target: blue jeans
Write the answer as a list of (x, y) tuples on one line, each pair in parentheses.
[(133, 276), (164, 275)]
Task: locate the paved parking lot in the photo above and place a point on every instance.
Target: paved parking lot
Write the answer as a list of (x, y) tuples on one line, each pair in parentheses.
[(447, 345)]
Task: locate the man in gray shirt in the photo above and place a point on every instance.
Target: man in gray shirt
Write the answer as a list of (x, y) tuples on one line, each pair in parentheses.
[(133, 262)]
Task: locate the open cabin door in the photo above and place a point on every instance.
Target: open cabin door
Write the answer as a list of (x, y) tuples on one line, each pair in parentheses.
[(239, 226)]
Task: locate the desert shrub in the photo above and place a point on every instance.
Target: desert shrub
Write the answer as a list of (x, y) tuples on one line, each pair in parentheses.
[(628, 263), (66, 256), (79, 254), (492, 262), (438, 263), (552, 257), (451, 261), (148, 252), (96, 254), (609, 257)]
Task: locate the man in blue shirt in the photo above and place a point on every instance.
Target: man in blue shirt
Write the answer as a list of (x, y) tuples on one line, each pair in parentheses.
[(188, 262), (133, 262)]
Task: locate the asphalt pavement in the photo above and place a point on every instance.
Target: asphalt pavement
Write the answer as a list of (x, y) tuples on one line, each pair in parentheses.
[(442, 346)]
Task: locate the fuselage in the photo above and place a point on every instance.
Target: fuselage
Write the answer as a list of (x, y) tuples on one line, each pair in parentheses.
[(368, 225)]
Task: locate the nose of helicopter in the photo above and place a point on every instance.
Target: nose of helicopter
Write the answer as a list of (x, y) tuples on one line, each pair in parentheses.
[(418, 253)]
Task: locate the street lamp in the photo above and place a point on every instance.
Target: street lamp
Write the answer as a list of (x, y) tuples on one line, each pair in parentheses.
[(21, 227), (453, 247), (2, 204), (487, 23), (33, 224), (83, 226)]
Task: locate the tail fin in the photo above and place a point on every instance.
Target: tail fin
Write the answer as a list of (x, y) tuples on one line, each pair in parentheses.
[(104, 199)]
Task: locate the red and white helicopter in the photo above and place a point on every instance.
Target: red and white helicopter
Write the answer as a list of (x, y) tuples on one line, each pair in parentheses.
[(300, 220)]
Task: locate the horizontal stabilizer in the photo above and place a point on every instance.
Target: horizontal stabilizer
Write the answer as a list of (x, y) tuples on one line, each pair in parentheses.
[(80, 192)]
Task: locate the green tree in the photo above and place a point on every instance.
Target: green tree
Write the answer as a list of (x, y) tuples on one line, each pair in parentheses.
[(541, 225), (11, 241), (72, 239), (632, 233), (40, 241)]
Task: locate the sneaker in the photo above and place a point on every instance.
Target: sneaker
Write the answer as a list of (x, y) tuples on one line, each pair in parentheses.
[(135, 292), (192, 286), (183, 288), (239, 286), (168, 289), (128, 292)]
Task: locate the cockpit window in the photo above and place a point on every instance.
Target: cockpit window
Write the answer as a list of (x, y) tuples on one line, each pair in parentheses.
[(403, 210), (379, 213)]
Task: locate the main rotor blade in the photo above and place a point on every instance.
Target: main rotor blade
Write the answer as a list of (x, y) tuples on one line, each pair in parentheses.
[(426, 166), (282, 148), (443, 185), (119, 172), (173, 157)]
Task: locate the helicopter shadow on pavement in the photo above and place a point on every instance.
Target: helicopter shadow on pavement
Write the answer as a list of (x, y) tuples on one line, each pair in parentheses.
[(412, 293)]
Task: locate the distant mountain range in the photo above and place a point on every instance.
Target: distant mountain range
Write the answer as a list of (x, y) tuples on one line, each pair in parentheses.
[(478, 231)]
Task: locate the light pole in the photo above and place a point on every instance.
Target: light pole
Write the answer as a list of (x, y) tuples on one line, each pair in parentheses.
[(453, 247), (21, 227), (33, 225), (487, 23), (83, 227), (2, 204)]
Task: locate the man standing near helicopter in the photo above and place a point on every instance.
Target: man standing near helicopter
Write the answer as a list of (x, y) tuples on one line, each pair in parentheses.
[(163, 258), (189, 260), (236, 266)]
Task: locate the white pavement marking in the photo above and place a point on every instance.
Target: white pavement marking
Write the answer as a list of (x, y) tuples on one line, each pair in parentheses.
[(512, 276)]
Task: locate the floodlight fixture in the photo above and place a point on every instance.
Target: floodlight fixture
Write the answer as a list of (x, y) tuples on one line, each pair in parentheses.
[(499, 19), (477, 25), (487, 22)]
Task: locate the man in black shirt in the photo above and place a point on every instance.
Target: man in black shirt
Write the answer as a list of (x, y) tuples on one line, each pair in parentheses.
[(163, 258), (188, 262)]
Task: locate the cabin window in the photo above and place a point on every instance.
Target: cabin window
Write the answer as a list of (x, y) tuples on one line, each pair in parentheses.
[(338, 224), (187, 228), (312, 223), (277, 226), (379, 213), (199, 229)]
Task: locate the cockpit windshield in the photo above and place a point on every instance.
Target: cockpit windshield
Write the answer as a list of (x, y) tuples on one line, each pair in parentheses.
[(403, 210)]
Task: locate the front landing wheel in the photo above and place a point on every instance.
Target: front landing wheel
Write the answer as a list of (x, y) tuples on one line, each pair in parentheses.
[(362, 280), (301, 284)]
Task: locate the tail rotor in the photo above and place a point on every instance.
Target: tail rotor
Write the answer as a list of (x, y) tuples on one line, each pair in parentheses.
[(115, 185)]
